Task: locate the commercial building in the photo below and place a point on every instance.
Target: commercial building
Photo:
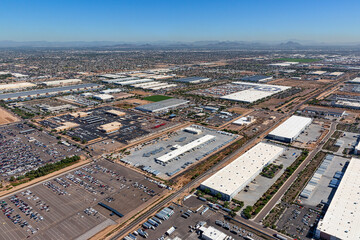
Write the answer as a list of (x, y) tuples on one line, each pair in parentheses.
[(317, 73), (355, 80), (231, 179), (257, 78), (110, 127), (120, 79), (48, 92), (211, 233), (283, 64), (336, 74), (341, 220), (61, 82), (254, 92), (116, 113), (351, 103), (11, 86), (193, 130), (111, 90), (179, 150), (289, 130), (112, 75), (153, 85), (103, 97), (357, 149), (131, 82), (244, 121), (324, 111), (164, 105), (192, 80)]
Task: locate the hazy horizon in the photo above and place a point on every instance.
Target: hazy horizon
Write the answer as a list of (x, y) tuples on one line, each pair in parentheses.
[(183, 21)]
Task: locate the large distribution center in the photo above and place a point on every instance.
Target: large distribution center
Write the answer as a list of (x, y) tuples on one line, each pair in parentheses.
[(183, 149), (19, 85), (61, 82), (342, 218), (48, 92), (254, 92), (162, 105), (230, 180), (192, 80), (257, 78), (289, 130)]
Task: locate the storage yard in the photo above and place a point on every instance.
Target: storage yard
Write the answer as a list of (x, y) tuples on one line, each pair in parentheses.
[(195, 216), (92, 125), (66, 207), (166, 156), (24, 148)]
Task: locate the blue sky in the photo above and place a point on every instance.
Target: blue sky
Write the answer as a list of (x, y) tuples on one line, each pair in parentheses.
[(180, 20)]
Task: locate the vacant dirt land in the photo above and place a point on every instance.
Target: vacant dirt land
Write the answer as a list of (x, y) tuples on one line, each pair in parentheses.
[(7, 117)]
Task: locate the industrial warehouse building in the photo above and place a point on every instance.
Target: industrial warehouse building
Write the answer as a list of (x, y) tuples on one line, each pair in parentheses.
[(61, 82), (179, 150), (230, 180), (11, 86), (254, 92), (48, 92), (289, 130), (192, 80), (342, 218), (257, 78), (164, 105), (324, 111)]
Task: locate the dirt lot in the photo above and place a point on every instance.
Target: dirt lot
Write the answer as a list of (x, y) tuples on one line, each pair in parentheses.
[(238, 110), (141, 93), (135, 102), (7, 117)]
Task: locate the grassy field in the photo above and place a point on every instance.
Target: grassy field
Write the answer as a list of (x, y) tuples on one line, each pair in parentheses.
[(156, 98), (301, 60)]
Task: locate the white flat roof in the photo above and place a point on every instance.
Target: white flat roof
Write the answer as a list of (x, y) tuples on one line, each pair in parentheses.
[(16, 85), (257, 92), (230, 178), (165, 86), (133, 81), (59, 82), (355, 80), (183, 149), (291, 127), (343, 215)]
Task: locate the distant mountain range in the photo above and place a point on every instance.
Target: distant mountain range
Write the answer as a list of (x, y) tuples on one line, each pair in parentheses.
[(168, 44)]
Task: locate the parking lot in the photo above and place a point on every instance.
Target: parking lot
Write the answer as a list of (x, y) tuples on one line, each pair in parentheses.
[(298, 222), (347, 140), (189, 217), (310, 136), (144, 155), (322, 194), (66, 207), (85, 127), (254, 190), (24, 148)]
